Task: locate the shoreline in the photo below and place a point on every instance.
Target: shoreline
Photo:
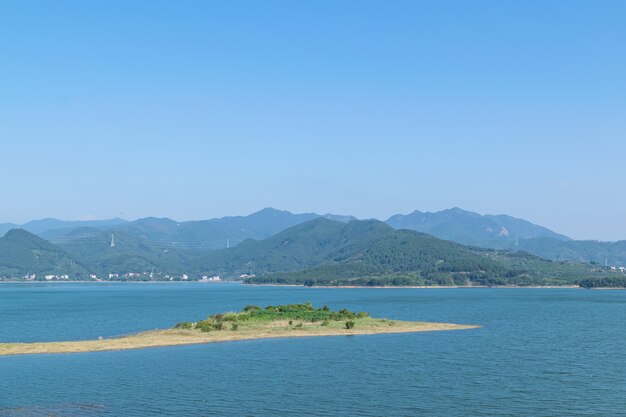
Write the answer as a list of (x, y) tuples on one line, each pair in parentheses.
[(419, 286), (315, 286), (179, 337), (318, 286)]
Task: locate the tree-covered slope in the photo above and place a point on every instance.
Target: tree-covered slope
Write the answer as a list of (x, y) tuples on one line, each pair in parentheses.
[(500, 232), (303, 246), (506, 232), (379, 255), (317, 252), (128, 253), (22, 253)]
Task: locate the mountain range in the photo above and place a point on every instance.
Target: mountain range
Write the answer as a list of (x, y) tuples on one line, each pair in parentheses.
[(44, 225), (166, 241), (317, 252), (370, 252)]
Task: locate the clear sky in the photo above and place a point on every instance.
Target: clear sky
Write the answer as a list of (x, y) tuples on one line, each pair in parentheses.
[(200, 109)]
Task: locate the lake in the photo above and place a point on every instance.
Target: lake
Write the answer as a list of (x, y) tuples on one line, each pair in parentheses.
[(540, 352)]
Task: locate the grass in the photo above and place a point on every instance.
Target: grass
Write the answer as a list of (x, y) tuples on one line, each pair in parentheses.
[(272, 322)]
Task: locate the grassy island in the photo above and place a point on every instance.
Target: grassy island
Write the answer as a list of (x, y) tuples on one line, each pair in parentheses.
[(253, 322)]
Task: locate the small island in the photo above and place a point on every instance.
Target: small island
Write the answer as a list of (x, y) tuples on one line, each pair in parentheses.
[(252, 322)]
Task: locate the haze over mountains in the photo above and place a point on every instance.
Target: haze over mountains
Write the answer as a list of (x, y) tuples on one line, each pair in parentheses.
[(473, 229), (168, 241), (453, 224), (44, 225), (317, 252)]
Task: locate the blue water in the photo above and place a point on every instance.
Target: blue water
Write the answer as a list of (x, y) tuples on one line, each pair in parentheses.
[(540, 352)]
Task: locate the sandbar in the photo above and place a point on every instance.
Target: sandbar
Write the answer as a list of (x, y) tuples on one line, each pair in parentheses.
[(267, 330)]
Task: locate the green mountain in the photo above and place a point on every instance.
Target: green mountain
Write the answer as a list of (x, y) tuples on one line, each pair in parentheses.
[(121, 253), (303, 246), (500, 232), (5, 227), (196, 235), (317, 252), (370, 252), (150, 234), (505, 232), (470, 228), (23, 253)]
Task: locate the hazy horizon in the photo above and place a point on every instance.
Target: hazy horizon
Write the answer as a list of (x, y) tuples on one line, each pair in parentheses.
[(93, 218), (199, 110)]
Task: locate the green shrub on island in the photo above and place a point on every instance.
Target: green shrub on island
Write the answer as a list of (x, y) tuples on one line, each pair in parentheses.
[(349, 324), (209, 325), (204, 326), (342, 314), (304, 312), (230, 317), (301, 313)]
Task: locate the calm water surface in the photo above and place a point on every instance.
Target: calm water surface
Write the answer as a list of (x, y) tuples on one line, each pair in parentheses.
[(541, 352)]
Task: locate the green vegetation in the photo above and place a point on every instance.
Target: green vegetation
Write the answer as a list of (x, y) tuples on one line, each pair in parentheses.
[(23, 253), (611, 282), (370, 253), (407, 258), (289, 313), (250, 323), (318, 252)]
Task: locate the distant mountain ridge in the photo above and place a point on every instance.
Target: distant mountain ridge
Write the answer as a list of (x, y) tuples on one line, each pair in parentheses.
[(216, 233), (469, 228), (41, 226), (316, 252), (370, 252), (457, 225), (603, 253), (453, 224)]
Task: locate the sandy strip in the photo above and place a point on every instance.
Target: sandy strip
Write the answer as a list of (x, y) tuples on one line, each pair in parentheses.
[(175, 337)]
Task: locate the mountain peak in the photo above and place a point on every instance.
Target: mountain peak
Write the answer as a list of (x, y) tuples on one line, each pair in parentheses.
[(21, 234), (24, 238), (471, 228), (459, 211), (270, 211)]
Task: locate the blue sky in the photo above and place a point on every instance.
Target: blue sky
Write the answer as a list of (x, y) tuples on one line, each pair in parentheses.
[(201, 109)]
